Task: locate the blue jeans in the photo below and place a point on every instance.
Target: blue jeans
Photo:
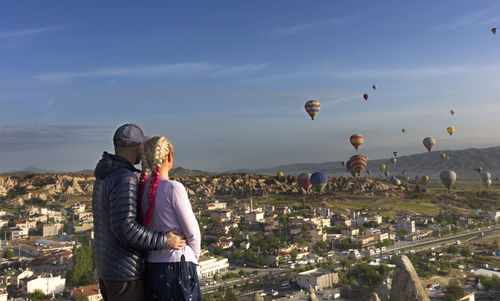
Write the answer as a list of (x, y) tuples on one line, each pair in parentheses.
[(172, 281)]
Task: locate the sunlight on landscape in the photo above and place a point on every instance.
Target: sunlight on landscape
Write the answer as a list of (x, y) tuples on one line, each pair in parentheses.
[(326, 150)]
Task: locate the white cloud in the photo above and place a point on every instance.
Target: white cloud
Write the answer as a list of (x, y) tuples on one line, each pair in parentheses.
[(289, 30), (26, 32), (190, 69), (478, 18)]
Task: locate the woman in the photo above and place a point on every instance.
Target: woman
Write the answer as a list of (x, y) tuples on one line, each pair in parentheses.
[(170, 274)]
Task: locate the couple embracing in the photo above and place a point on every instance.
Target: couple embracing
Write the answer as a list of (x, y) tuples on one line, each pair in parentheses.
[(147, 239)]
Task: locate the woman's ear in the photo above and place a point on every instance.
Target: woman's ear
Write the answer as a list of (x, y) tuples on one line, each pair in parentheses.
[(170, 157)]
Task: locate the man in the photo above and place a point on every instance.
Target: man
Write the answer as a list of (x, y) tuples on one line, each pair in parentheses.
[(119, 239)]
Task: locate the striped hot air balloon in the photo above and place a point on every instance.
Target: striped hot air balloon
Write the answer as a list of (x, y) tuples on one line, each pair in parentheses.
[(312, 108), (357, 140), (304, 180), (319, 181), (357, 163)]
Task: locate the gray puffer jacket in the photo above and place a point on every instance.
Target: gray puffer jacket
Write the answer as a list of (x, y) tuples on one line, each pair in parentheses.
[(118, 238)]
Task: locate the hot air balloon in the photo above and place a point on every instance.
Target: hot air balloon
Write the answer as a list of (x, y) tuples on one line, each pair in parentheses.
[(304, 180), (494, 30), (394, 160), (356, 140), (447, 157), (387, 173), (448, 178), (403, 130), (279, 174), (487, 183), (357, 163), (485, 175), (312, 108), (319, 181), (382, 167), (452, 112), (343, 163), (395, 154), (479, 169), (429, 142), (368, 172), (365, 96), (425, 179), (443, 156), (450, 130), (374, 87), (395, 181)]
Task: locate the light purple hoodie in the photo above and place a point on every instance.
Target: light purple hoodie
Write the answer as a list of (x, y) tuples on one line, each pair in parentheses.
[(173, 211)]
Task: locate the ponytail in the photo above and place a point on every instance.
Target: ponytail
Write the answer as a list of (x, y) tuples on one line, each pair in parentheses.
[(153, 184)]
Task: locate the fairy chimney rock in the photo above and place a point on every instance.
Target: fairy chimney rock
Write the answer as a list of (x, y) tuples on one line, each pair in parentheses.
[(405, 282)]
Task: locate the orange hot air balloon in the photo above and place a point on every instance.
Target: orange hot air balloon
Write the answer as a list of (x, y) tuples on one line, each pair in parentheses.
[(365, 96), (357, 140)]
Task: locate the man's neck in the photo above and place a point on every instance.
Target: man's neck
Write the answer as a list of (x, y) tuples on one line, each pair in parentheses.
[(129, 158)]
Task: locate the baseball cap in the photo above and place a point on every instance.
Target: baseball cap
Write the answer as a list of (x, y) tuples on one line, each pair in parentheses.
[(128, 135)]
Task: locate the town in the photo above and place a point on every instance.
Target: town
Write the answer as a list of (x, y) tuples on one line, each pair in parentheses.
[(254, 249)]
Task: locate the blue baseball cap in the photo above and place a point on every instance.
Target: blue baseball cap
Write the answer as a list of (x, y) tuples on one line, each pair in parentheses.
[(128, 135)]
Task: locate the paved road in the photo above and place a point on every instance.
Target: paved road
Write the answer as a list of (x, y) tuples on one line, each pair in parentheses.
[(425, 243)]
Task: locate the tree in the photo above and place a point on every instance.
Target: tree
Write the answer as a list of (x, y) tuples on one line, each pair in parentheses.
[(230, 295), (82, 272), (454, 290), (37, 295), (216, 277), (346, 244), (465, 252), (402, 233), (8, 254), (293, 255), (80, 297)]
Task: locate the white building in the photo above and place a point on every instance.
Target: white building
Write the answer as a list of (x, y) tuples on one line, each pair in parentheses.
[(317, 278), (495, 215), (47, 284), (208, 266), (22, 275), (363, 219), (254, 217), (324, 212), (406, 223), (51, 229), (216, 205)]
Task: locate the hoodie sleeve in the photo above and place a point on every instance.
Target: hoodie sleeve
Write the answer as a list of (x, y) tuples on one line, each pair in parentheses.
[(123, 213), (186, 218)]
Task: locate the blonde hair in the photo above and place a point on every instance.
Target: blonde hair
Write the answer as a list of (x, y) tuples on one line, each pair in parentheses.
[(153, 154)]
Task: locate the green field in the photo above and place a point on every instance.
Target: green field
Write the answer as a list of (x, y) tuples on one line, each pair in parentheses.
[(465, 196)]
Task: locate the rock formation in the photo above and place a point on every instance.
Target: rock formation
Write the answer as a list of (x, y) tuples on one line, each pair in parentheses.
[(312, 295), (405, 282), (46, 186), (383, 290)]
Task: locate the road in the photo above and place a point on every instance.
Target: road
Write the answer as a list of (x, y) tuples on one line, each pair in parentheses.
[(433, 242)]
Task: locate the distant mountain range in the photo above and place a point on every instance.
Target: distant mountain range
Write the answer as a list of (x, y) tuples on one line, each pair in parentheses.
[(175, 172), (463, 162)]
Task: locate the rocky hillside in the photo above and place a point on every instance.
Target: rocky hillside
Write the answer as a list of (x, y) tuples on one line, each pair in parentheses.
[(14, 189)]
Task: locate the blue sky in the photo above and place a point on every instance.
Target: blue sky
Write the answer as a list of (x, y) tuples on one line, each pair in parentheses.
[(226, 81)]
